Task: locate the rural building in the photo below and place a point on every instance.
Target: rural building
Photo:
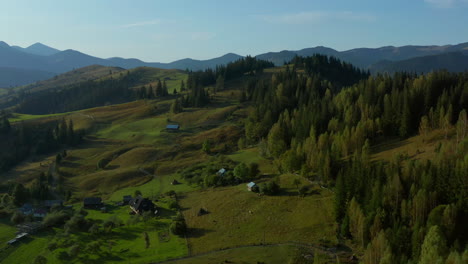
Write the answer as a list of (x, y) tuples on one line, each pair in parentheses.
[(140, 205), (250, 185), (221, 172), (50, 203), (17, 238), (92, 202), (126, 199), (173, 127), (26, 209), (39, 213)]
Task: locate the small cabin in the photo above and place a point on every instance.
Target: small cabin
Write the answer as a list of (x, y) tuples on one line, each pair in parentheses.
[(140, 205), (221, 172), (92, 202), (251, 185), (40, 213), (173, 127)]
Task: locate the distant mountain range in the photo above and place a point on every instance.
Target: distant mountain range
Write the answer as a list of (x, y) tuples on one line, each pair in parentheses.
[(453, 61), (20, 66)]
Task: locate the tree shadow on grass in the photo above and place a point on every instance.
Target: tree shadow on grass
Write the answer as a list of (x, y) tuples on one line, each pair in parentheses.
[(165, 213), (197, 232), (70, 164)]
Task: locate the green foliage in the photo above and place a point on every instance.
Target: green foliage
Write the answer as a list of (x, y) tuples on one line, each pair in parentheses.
[(206, 147), (17, 218), (178, 227), (241, 172), (55, 219), (40, 260), (270, 188), (434, 248)]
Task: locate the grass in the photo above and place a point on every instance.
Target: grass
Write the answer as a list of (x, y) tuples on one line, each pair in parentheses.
[(7, 231), (238, 217), (251, 155), (417, 147), (159, 185), (143, 131), (23, 117), (271, 254)]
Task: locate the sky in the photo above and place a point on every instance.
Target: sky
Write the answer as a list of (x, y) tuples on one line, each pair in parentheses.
[(164, 31)]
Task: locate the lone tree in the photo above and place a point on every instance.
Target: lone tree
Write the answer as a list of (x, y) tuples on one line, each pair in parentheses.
[(206, 147)]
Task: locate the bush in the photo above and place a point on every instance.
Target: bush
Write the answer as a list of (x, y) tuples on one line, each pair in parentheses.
[(17, 218), (270, 188), (40, 260), (241, 172), (73, 251), (253, 170), (178, 227), (55, 218), (173, 205), (102, 163)]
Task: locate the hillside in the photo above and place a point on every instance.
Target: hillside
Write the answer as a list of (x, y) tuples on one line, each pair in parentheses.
[(87, 73), (339, 162), (452, 62)]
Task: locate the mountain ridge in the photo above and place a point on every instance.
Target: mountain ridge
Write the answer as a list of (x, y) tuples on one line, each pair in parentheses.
[(63, 61)]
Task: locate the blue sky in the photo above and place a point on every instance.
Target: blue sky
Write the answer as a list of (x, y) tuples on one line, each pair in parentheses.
[(163, 31)]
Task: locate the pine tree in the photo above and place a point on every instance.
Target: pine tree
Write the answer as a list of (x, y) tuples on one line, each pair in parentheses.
[(182, 85), (434, 248), (165, 92), (462, 126), (71, 133)]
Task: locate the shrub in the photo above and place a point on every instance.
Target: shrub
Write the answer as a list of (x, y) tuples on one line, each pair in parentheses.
[(241, 172), (40, 260), (102, 163), (17, 218), (270, 188), (253, 170), (173, 205), (178, 227), (73, 251), (55, 218)]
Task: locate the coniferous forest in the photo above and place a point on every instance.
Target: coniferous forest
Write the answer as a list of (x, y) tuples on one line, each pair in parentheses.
[(320, 118)]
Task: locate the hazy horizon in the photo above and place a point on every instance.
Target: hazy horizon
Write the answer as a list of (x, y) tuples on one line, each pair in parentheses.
[(160, 31)]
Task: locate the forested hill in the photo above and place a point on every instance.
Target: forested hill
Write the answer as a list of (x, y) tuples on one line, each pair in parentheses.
[(399, 211), (125, 86)]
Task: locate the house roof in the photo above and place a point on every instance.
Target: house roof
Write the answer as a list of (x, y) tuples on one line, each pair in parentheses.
[(92, 200), (140, 203), (222, 171), (251, 184), (40, 211), (173, 126), (51, 203)]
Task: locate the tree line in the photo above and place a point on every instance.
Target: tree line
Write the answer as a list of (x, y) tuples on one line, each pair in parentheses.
[(22, 140)]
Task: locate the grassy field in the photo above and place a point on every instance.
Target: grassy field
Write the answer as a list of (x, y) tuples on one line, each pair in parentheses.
[(270, 254), (238, 217), (23, 117), (7, 231)]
